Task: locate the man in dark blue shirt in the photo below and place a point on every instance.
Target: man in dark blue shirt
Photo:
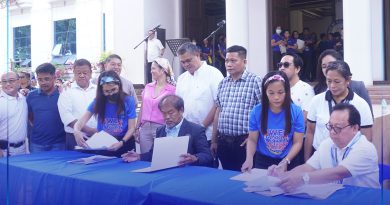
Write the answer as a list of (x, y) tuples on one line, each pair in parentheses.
[(47, 128)]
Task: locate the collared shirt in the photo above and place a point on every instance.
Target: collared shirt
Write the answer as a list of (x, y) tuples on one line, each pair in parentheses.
[(13, 110), (174, 131), (236, 99), (73, 103), (154, 49), (150, 110), (361, 161), (301, 94), (199, 92), (319, 113), (47, 126)]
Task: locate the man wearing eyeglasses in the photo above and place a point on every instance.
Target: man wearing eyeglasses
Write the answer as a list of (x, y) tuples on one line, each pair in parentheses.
[(301, 92), (73, 102), (13, 116), (345, 157)]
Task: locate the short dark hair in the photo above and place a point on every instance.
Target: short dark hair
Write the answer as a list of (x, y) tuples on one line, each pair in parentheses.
[(298, 62), (176, 101), (82, 62), (46, 68), (354, 115), (26, 73), (112, 56), (237, 49), (321, 85), (187, 48), (341, 67)]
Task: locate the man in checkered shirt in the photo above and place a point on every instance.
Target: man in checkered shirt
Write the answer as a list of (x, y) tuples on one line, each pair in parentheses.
[(237, 95)]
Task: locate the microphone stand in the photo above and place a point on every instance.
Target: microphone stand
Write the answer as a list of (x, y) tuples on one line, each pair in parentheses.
[(146, 49), (212, 34)]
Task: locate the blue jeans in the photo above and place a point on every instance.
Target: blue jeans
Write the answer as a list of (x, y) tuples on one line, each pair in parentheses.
[(42, 148)]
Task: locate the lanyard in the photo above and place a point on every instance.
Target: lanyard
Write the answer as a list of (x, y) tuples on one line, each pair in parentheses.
[(333, 153)]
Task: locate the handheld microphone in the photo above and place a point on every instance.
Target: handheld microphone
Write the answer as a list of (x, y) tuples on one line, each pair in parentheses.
[(221, 23)]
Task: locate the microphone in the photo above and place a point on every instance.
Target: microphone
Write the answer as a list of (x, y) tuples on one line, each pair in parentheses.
[(221, 23)]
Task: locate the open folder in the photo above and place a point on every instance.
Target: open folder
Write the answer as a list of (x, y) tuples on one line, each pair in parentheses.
[(166, 153), (99, 141)]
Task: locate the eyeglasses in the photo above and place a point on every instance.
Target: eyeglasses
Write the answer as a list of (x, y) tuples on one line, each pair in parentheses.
[(285, 65), (336, 129), (10, 81)]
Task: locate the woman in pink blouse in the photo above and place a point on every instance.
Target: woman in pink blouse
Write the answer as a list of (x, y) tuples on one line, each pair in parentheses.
[(150, 117)]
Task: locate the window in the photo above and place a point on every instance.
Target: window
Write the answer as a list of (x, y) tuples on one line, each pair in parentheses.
[(22, 43), (65, 34)]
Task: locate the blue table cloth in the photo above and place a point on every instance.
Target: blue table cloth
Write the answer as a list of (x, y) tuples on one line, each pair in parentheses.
[(47, 178)]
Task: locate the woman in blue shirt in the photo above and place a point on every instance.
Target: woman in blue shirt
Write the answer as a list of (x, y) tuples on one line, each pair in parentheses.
[(276, 127), (115, 112), (276, 41)]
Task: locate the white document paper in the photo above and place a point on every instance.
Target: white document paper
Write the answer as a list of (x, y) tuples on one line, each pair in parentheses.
[(91, 159), (300, 44), (255, 173), (268, 186), (100, 141), (263, 183), (166, 153), (316, 191)]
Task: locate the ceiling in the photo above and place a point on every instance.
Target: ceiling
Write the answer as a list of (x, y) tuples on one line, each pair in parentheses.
[(315, 9)]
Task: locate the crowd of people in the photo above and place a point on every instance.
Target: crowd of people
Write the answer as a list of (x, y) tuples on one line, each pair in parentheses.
[(306, 45), (303, 135)]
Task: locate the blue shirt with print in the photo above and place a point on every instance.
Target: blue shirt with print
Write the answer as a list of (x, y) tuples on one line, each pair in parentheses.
[(113, 124), (275, 144)]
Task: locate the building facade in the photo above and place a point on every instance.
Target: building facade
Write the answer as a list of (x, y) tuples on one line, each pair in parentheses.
[(88, 28)]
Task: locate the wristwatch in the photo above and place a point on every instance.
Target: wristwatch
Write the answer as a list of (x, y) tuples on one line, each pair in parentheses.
[(306, 178)]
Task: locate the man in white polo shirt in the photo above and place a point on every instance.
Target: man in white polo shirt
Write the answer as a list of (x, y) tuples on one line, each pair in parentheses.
[(198, 87), (13, 116), (74, 101), (345, 157), (301, 92)]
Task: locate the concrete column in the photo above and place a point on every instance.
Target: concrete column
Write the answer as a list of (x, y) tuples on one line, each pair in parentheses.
[(42, 33), (377, 36), (339, 9), (358, 39), (237, 25), (241, 14), (296, 21), (258, 35)]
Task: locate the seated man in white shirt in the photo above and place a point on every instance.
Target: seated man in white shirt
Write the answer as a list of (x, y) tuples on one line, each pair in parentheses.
[(74, 101), (13, 116), (346, 157)]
